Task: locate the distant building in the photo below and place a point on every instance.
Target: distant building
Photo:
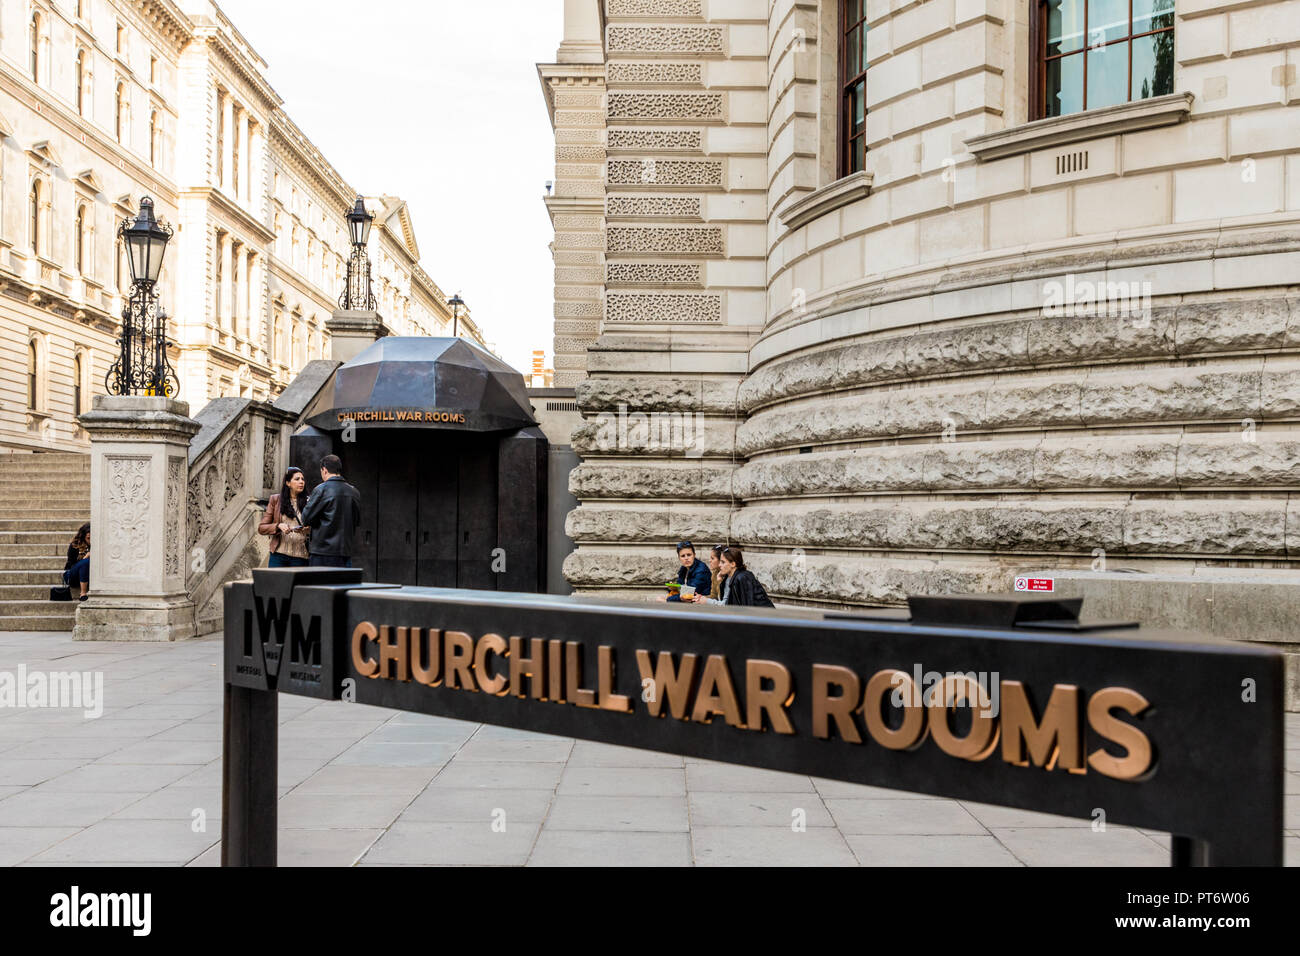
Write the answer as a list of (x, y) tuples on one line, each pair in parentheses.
[(540, 376), (105, 101)]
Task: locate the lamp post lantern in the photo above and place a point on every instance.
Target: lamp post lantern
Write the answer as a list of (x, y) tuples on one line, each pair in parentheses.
[(142, 366), (357, 294), (456, 303)]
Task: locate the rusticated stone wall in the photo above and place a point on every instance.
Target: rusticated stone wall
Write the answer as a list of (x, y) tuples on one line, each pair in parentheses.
[(917, 411)]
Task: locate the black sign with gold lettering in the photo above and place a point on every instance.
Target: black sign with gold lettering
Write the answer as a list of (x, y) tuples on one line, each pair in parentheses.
[(1182, 737)]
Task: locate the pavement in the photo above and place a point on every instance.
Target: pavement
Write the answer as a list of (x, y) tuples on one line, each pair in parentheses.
[(360, 785)]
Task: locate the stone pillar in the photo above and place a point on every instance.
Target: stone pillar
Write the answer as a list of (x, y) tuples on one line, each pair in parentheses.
[(241, 297), (228, 141), (139, 449), (227, 295), (352, 331), (256, 311), (244, 149)]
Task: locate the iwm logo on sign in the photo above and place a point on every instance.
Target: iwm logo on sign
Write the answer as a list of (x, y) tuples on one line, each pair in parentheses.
[(281, 639)]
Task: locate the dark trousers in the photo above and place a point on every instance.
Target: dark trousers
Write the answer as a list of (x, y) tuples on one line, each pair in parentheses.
[(78, 574), (285, 561), (331, 561)]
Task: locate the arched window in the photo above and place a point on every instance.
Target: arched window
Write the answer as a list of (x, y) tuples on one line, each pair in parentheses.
[(153, 137), (119, 111), (35, 216), (79, 72), (78, 376), (79, 239), (33, 374), (34, 44)]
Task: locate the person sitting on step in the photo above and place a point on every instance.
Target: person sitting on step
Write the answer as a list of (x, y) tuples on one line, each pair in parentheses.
[(77, 568)]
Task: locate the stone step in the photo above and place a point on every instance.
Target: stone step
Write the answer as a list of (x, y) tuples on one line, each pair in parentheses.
[(38, 522), (35, 474), (29, 592), (47, 554), (16, 610), (51, 538), (66, 515), (43, 561), (44, 576), (50, 623)]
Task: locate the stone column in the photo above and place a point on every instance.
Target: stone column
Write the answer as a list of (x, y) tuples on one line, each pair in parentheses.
[(139, 447), (256, 316), (352, 331), (244, 149), (228, 140), (227, 294), (241, 297)]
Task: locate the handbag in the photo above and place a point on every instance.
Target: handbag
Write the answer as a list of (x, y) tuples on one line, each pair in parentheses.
[(60, 593)]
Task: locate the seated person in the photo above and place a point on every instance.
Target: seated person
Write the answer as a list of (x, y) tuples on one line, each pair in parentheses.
[(740, 588), (693, 571)]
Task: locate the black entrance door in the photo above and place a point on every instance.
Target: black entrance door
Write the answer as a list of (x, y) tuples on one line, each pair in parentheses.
[(429, 506)]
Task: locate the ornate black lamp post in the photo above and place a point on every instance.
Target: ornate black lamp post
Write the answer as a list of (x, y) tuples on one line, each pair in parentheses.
[(142, 367), (357, 294), (456, 303)]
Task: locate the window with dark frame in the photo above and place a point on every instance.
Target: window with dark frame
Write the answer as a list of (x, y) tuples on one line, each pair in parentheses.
[(33, 359), (79, 72), (35, 38), (80, 239), (1091, 54), (853, 87), (77, 376), (35, 212)]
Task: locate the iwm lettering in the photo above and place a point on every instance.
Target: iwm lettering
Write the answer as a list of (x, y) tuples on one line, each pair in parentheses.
[(844, 706)]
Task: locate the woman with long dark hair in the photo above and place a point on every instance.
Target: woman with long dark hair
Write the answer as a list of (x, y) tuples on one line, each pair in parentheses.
[(76, 570), (283, 522), (740, 588)]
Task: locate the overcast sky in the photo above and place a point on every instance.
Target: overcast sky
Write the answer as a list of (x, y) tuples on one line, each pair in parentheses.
[(443, 108)]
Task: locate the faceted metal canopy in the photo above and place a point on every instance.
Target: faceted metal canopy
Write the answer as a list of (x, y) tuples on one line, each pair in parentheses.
[(422, 382)]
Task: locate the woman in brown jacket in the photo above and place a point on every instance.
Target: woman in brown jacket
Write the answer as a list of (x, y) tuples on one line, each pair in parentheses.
[(283, 522)]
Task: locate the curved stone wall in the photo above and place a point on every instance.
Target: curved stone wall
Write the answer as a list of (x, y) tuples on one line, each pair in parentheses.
[(1078, 355)]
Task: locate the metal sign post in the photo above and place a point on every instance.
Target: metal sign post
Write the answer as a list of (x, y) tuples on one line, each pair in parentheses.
[(1003, 701)]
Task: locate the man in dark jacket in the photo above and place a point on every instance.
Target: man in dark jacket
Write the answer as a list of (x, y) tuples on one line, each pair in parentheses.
[(693, 571), (333, 512)]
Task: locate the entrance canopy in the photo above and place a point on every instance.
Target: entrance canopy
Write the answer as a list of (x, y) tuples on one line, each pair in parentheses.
[(422, 382)]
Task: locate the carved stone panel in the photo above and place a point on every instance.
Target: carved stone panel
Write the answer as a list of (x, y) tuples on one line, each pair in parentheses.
[(665, 240), (699, 173), (697, 41), (677, 107), (655, 140), (127, 535), (662, 307), (270, 456), (172, 520)]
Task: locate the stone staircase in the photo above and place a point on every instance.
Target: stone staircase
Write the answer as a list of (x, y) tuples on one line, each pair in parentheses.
[(44, 499)]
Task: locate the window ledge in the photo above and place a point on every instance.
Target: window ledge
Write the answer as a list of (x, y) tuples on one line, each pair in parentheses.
[(817, 203), (1090, 124)]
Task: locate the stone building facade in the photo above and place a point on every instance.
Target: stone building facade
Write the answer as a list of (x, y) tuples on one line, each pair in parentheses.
[(105, 101), (895, 297)]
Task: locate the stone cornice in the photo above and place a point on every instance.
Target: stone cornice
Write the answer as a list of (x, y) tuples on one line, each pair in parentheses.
[(167, 21), (215, 197), (212, 36), (1075, 127), (828, 198), (551, 75), (301, 151)]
